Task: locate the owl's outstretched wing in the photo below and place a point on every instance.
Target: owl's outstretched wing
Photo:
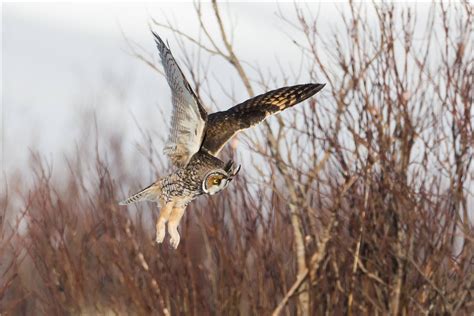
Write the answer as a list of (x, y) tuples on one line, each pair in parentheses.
[(223, 125), (188, 120)]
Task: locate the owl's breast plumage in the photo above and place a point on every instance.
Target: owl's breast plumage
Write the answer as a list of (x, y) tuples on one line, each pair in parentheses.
[(186, 183)]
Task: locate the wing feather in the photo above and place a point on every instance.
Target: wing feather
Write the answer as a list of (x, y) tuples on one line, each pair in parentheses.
[(188, 120), (222, 126)]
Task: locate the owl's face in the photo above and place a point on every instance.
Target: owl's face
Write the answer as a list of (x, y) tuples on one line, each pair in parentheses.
[(216, 180)]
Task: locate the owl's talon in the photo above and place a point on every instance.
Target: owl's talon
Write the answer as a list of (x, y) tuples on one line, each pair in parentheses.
[(174, 240), (160, 236)]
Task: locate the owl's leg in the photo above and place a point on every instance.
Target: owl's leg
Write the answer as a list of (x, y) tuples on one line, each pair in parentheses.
[(162, 219), (173, 223)]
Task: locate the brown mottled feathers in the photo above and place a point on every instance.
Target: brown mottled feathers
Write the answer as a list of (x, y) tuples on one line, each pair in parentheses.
[(188, 121), (221, 126)]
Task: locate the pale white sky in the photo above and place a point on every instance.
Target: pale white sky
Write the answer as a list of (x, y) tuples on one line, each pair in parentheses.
[(61, 59)]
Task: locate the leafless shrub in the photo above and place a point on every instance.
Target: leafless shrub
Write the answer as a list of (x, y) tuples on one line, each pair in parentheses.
[(362, 206)]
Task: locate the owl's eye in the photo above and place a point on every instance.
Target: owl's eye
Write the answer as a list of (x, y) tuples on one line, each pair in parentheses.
[(216, 181)]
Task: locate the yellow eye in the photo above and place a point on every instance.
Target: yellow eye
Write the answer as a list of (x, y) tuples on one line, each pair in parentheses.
[(216, 181)]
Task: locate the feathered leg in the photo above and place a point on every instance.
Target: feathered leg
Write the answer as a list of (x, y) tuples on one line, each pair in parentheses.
[(173, 223), (162, 219)]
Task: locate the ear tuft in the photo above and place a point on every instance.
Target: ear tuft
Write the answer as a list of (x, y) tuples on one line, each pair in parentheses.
[(231, 168), (236, 171), (228, 166)]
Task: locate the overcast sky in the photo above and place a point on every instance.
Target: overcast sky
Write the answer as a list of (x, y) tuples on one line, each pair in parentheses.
[(61, 59)]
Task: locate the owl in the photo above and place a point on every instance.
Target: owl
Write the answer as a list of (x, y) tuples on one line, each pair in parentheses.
[(196, 138)]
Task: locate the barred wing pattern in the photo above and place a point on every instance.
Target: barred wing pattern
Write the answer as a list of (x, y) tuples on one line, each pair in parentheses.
[(222, 126), (188, 121)]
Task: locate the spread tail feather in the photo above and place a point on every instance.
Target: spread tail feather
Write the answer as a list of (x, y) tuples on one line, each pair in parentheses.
[(150, 193)]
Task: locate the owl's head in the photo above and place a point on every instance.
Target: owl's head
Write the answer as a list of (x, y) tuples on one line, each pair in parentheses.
[(216, 180)]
